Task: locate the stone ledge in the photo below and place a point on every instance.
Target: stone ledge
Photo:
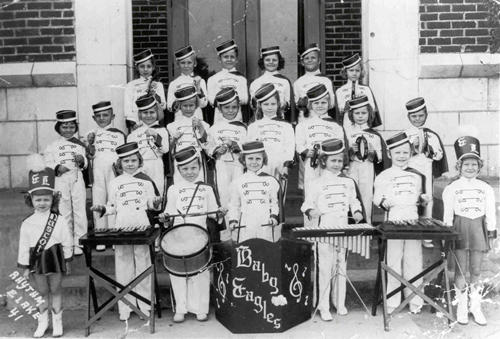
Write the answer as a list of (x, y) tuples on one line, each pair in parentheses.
[(459, 65), (38, 74)]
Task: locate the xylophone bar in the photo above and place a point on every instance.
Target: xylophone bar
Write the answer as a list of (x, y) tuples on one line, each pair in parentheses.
[(359, 244)]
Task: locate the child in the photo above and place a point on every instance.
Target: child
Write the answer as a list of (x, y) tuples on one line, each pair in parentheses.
[(188, 130), (367, 151), (428, 155), (225, 139), (399, 190), (191, 293), (469, 205), (152, 139), (352, 72), (67, 156), (254, 206), (144, 85), (271, 62), (318, 127), (228, 77), (45, 244), (186, 61), (328, 201), (130, 196), (276, 134), (102, 144)]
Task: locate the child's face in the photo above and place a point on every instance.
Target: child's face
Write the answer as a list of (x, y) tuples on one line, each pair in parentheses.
[(41, 202), (400, 155), (269, 107), (149, 116), (334, 163), (229, 59), (320, 107), (67, 129), (130, 164), (188, 107), (470, 168), (145, 68), (354, 72), (254, 161), (187, 65), (311, 61), (360, 115), (190, 171), (418, 119), (229, 110), (104, 118), (271, 62)]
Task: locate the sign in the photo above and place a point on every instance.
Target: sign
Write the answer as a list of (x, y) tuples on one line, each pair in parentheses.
[(262, 287)]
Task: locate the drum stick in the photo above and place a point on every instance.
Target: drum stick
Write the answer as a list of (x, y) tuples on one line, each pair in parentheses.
[(171, 216)]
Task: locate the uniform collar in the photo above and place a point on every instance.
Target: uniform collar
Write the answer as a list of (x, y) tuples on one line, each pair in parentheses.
[(464, 179), (41, 214), (146, 78), (329, 174), (271, 73), (316, 72), (228, 70)]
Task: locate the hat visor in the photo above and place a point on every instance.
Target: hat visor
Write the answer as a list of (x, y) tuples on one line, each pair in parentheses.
[(41, 191), (469, 155)]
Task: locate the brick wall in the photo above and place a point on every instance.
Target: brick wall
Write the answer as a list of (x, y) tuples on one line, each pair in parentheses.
[(32, 30), (452, 26), (342, 35), (149, 23)]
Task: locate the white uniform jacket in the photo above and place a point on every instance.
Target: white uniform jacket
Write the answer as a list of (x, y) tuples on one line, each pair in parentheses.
[(225, 78), (137, 88), (183, 81)]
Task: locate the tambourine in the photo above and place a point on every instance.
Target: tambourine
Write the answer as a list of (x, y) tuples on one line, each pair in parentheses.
[(362, 143)]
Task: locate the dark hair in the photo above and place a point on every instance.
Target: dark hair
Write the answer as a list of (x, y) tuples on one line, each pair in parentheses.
[(202, 69), (281, 61), (119, 166), (241, 158), (279, 112), (59, 123), (343, 72), (371, 114), (56, 197), (155, 72)]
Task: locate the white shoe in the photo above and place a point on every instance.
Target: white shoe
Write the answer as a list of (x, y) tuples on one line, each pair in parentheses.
[(100, 248), (325, 315), (427, 244), (342, 310), (77, 250), (462, 308), (124, 316), (178, 317), (43, 324), (415, 309), (57, 324), (202, 317), (476, 298)]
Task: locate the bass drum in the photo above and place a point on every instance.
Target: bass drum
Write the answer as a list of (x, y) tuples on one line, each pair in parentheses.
[(186, 250)]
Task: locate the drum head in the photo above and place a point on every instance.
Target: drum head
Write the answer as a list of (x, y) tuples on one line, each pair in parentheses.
[(184, 240)]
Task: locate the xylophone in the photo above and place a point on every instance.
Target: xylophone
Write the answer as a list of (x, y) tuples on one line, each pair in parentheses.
[(423, 228), (133, 231), (354, 237)]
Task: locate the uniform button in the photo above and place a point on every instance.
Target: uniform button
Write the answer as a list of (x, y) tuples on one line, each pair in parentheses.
[(137, 208)]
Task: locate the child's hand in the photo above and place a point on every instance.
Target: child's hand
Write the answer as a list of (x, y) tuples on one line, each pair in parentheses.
[(79, 160), (424, 199), (386, 204), (98, 208), (222, 211), (313, 214), (62, 169), (310, 153), (26, 273), (177, 135), (91, 138), (354, 147), (163, 217), (157, 202), (357, 216), (222, 149), (150, 132), (233, 224)]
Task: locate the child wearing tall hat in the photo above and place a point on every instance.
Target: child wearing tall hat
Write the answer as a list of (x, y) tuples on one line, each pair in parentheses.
[(45, 244), (254, 208), (188, 130), (67, 155), (367, 150), (469, 205), (271, 62), (224, 143), (353, 71), (145, 84), (228, 76), (153, 140), (328, 201), (399, 190), (428, 154), (312, 131), (102, 143), (276, 134), (130, 196), (187, 196), (186, 61)]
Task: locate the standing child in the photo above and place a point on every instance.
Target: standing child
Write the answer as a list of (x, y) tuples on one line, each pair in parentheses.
[(102, 144), (130, 196), (367, 150), (188, 130), (186, 61), (187, 196), (225, 139), (152, 139), (328, 202), (399, 190), (353, 71), (469, 205), (254, 208), (67, 156), (276, 134), (45, 245), (271, 62), (144, 85), (228, 77), (428, 155)]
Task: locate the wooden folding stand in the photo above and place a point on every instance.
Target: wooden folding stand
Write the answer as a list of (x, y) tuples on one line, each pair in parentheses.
[(427, 274), (119, 291)]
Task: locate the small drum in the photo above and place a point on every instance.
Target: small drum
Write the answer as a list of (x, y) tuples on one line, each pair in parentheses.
[(186, 250)]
